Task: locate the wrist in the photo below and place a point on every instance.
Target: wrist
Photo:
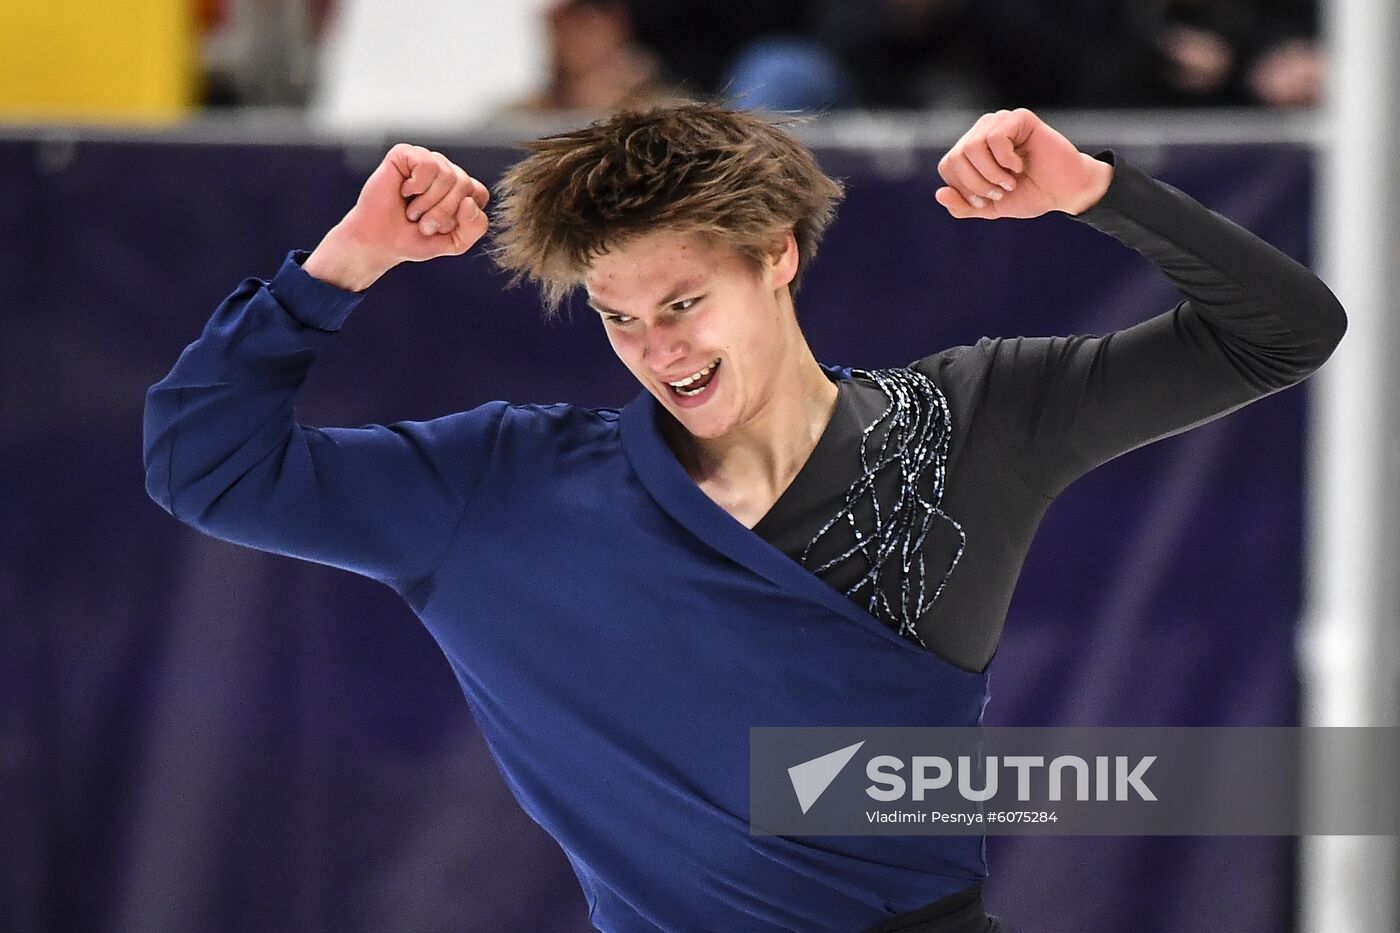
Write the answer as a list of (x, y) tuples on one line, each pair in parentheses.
[(1099, 175), (344, 262)]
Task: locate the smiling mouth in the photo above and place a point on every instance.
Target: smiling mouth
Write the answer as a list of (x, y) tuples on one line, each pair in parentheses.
[(695, 384)]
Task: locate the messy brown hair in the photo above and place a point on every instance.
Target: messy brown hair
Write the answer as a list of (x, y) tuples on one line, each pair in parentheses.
[(693, 167)]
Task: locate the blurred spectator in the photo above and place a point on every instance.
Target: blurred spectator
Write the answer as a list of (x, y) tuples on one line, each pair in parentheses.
[(1289, 74), (1287, 67), (698, 42), (903, 53), (259, 52), (787, 73), (1109, 53), (598, 55), (758, 53), (595, 62)]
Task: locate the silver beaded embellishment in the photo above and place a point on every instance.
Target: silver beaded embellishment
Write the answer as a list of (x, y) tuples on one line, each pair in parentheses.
[(917, 431)]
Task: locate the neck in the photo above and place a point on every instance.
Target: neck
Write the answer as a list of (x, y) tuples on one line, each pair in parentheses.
[(762, 458)]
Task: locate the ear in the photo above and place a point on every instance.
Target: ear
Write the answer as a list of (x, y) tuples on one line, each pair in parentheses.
[(783, 259)]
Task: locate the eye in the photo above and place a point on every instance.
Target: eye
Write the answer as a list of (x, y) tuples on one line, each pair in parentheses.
[(618, 318), (685, 304)]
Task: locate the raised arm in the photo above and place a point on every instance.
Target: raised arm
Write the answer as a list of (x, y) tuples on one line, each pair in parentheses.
[(1253, 320), (223, 450)]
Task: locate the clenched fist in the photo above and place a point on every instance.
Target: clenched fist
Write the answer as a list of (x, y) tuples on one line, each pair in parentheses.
[(1013, 164), (417, 205)]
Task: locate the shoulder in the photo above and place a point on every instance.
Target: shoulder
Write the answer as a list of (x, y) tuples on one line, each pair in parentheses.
[(999, 358), (531, 446), (495, 422), (556, 418), (527, 415), (558, 414), (557, 425), (960, 367)]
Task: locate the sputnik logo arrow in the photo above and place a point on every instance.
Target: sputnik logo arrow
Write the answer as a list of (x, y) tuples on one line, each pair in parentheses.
[(811, 778)]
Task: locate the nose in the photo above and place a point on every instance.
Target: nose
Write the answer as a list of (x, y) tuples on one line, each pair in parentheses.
[(663, 347)]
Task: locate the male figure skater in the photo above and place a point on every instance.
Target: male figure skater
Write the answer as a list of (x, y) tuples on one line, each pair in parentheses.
[(758, 538)]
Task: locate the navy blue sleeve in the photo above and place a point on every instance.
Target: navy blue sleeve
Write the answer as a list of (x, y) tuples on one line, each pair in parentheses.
[(1253, 322), (224, 452)]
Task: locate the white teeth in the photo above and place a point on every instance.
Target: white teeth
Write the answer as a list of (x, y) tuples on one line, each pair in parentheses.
[(689, 379)]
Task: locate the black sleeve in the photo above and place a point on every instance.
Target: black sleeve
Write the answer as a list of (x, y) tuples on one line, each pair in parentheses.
[(1253, 321)]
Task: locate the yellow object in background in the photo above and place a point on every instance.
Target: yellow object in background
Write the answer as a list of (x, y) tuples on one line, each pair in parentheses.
[(110, 61)]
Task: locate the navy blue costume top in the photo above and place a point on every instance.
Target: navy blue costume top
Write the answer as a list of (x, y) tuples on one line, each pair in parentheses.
[(618, 703)]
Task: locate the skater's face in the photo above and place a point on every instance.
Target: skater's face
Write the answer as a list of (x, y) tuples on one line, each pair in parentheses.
[(678, 306)]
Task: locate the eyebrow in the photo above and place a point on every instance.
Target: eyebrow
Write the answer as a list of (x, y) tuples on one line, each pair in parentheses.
[(682, 287)]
